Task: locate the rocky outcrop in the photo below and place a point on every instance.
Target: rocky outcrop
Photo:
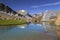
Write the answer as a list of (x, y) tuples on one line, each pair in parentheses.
[(58, 20)]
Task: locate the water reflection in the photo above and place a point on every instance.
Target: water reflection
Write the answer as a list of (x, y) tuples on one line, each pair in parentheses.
[(31, 31), (21, 26), (50, 29)]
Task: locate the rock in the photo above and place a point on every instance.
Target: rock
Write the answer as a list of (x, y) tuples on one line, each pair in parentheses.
[(58, 20)]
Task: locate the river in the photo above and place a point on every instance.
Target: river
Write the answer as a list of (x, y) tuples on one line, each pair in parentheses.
[(43, 31)]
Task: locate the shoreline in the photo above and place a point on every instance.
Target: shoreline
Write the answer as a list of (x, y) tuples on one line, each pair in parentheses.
[(12, 22)]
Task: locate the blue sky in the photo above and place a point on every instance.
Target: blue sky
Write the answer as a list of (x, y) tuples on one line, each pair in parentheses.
[(33, 6)]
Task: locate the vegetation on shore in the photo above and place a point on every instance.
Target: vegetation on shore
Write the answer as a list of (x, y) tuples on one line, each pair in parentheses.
[(12, 22)]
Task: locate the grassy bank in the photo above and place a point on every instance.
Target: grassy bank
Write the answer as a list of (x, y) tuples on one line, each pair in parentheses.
[(12, 22)]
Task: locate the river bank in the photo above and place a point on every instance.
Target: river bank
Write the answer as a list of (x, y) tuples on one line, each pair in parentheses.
[(12, 22)]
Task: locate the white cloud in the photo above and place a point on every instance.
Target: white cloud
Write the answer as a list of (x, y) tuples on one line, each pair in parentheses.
[(36, 6)]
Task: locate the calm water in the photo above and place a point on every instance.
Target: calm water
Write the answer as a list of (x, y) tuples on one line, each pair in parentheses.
[(43, 31)]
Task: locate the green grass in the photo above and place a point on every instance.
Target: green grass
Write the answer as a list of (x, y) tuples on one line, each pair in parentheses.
[(44, 21), (12, 22)]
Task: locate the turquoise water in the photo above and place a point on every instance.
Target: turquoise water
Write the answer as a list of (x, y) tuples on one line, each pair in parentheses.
[(43, 31)]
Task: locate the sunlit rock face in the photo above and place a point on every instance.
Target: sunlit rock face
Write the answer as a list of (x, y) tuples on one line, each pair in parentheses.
[(48, 14), (58, 20)]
